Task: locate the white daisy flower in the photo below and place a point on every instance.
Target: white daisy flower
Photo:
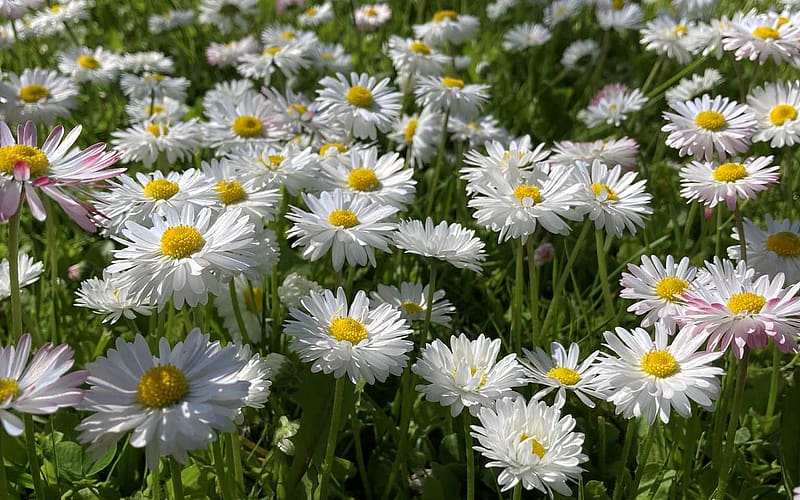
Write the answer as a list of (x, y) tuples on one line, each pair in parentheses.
[(649, 377), (250, 298), (447, 27), (40, 387), (712, 183), (331, 58), (53, 20), (28, 272), (532, 443), (225, 54), (579, 54), (351, 228), (316, 15), (759, 37), (560, 371), (451, 94), (294, 288), (371, 17), (623, 151), (451, 243), (172, 403), (658, 288), (561, 10), (170, 20), (703, 126), (275, 167), (233, 190), (776, 106), (108, 296), (145, 142), (361, 105), (288, 59), (153, 85), (611, 105), (164, 110), (412, 301), (228, 15), (499, 8), (37, 94), (500, 157), (298, 114), (526, 35), (151, 62), (352, 339), (476, 132), (419, 132), (689, 88), (255, 372), (285, 35), (665, 35), (415, 57), (89, 65), (251, 120), (467, 373), (776, 250), (227, 93), (706, 38), (619, 16)]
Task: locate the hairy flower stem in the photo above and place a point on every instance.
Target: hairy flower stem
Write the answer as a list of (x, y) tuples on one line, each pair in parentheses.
[(516, 311), (33, 459), (177, 481), (603, 270), (236, 311), (630, 433), (774, 382), (467, 419), (5, 492), (564, 274), (52, 252), (333, 433), (222, 475), (13, 271), (533, 283), (733, 424), (426, 327)]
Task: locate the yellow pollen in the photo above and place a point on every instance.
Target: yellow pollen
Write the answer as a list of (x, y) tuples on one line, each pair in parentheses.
[(711, 120), (766, 33), (567, 376), (411, 129), (230, 192), (158, 129), (274, 162), (181, 241), (781, 113), (411, 308), (288, 35), (154, 77), (343, 218), (452, 82), (311, 11), (34, 93), (298, 108), (359, 96), (161, 386), (338, 146), (55, 9), (155, 109), (161, 189), (348, 329), (370, 12), (254, 300), (602, 191), (681, 30), (37, 161), (8, 388), (746, 302), (670, 287), (785, 244), (536, 447), (363, 179), (88, 62), (420, 47), (445, 14), (247, 126), (473, 126), (271, 50), (524, 191), (781, 21), (327, 56), (661, 364), (729, 172), (618, 4)]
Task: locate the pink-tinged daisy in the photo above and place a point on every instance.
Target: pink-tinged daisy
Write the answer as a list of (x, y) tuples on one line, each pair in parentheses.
[(776, 250), (706, 126), (622, 151), (56, 169), (776, 106), (740, 311), (612, 105), (712, 183), (761, 36)]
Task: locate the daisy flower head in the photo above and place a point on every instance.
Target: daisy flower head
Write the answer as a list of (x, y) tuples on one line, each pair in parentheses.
[(15, 9), (351, 228), (227, 15), (694, 8), (737, 310), (153, 85), (665, 35), (150, 61), (298, 114), (611, 105), (250, 299), (579, 54), (712, 183), (28, 272), (360, 105), (37, 94), (331, 58), (233, 190), (776, 106), (372, 17), (231, 92), (225, 54), (451, 94), (289, 59), (108, 296), (499, 8), (184, 255), (476, 131), (526, 35), (274, 166), (532, 443), (415, 57), (412, 301), (170, 20), (88, 65), (649, 377), (349, 338), (447, 26), (172, 403), (40, 387), (452, 243), (756, 36), (560, 371), (250, 120), (316, 15), (689, 88), (466, 373), (561, 10), (164, 110), (658, 288), (618, 15), (294, 287), (56, 169), (54, 19), (704, 126), (145, 142), (776, 250), (623, 151), (419, 132), (515, 155)]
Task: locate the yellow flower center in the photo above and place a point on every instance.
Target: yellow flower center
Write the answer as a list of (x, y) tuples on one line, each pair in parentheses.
[(781, 21), (411, 129), (247, 126), (37, 161), (348, 329), (785, 244), (602, 191), (338, 146), (158, 129), (766, 32), (34, 93), (711, 120), (154, 77), (343, 218), (781, 113), (298, 108), (411, 308), (363, 179), (536, 447), (567, 376), (670, 287), (420, 47), (155, 109), (445, 14), (273, 162), (452, 82), (681, 30), (254, 300), (729, 172), (359, 96), (524, 191), (662, 364), (161, 386), (88, 62), (288, 35), (746, 302), (8, 388), (161, 189), (327, 56), (311, 11), (230, 192), (271, 51), (181, 241), (55, 9), (370, 12)]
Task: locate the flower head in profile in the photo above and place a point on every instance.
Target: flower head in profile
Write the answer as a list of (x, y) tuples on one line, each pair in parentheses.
[(412, 301), (451, 243), (447, 26), (108, 296), (28, 271)]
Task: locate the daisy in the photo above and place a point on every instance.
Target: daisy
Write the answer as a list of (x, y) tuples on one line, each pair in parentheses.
[(658, 287), (412, 301), (704, 126), (689, 88), (28, 272), (15, 9), (233, 191), (56, 169), (478, 132), (451, 95), (737, 310), (275, 167), (40, 387), (251, 120), (467, 373), (250, 299), (163, 110), (776, 106), (88, 65), (184, 255), (173, 402), (37, 94), (146, 142), (776, 250), (524, 36), (415, 57), (255, 372), (170, 20), (612, 105), (288, 59), (298, 114), (761, 36), (361, 105), (151, 62), (316, 15), (53, 20), (516, 155), (371, 17), (499, 8), (351, 228), (227, 15), (712, 183), (623, 151), (579, 54), (419, 133), (153, 85), (228, 93), (649, 377), (225, 54), (532, 443), (619, 16), (560, 371), (331, 58), (451, 243), (706, 38), (108, 296), (561, 10), (294, 288), (447, 27), (352, 339), (665, 35)]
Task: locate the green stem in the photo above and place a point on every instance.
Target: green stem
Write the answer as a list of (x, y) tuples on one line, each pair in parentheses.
[(236, 311), (687, 228), (740, 231), (236, 452), (774, 382), (33, 459), (426, 327), (562, 278), (177, 481), (333, 433), (222, 475), (689, 451), (517, 495), (603, 270), (516, 311), (533, 283), (406, 406), (653, 72), (467, 419), (52, 252), (13, 271), (438, 167), (722, 411), (156, 473), (648, 445), (733, 424), (362, 467), (669, 83), (630, 433), (275, 311), (5, 491), (718, 232)]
